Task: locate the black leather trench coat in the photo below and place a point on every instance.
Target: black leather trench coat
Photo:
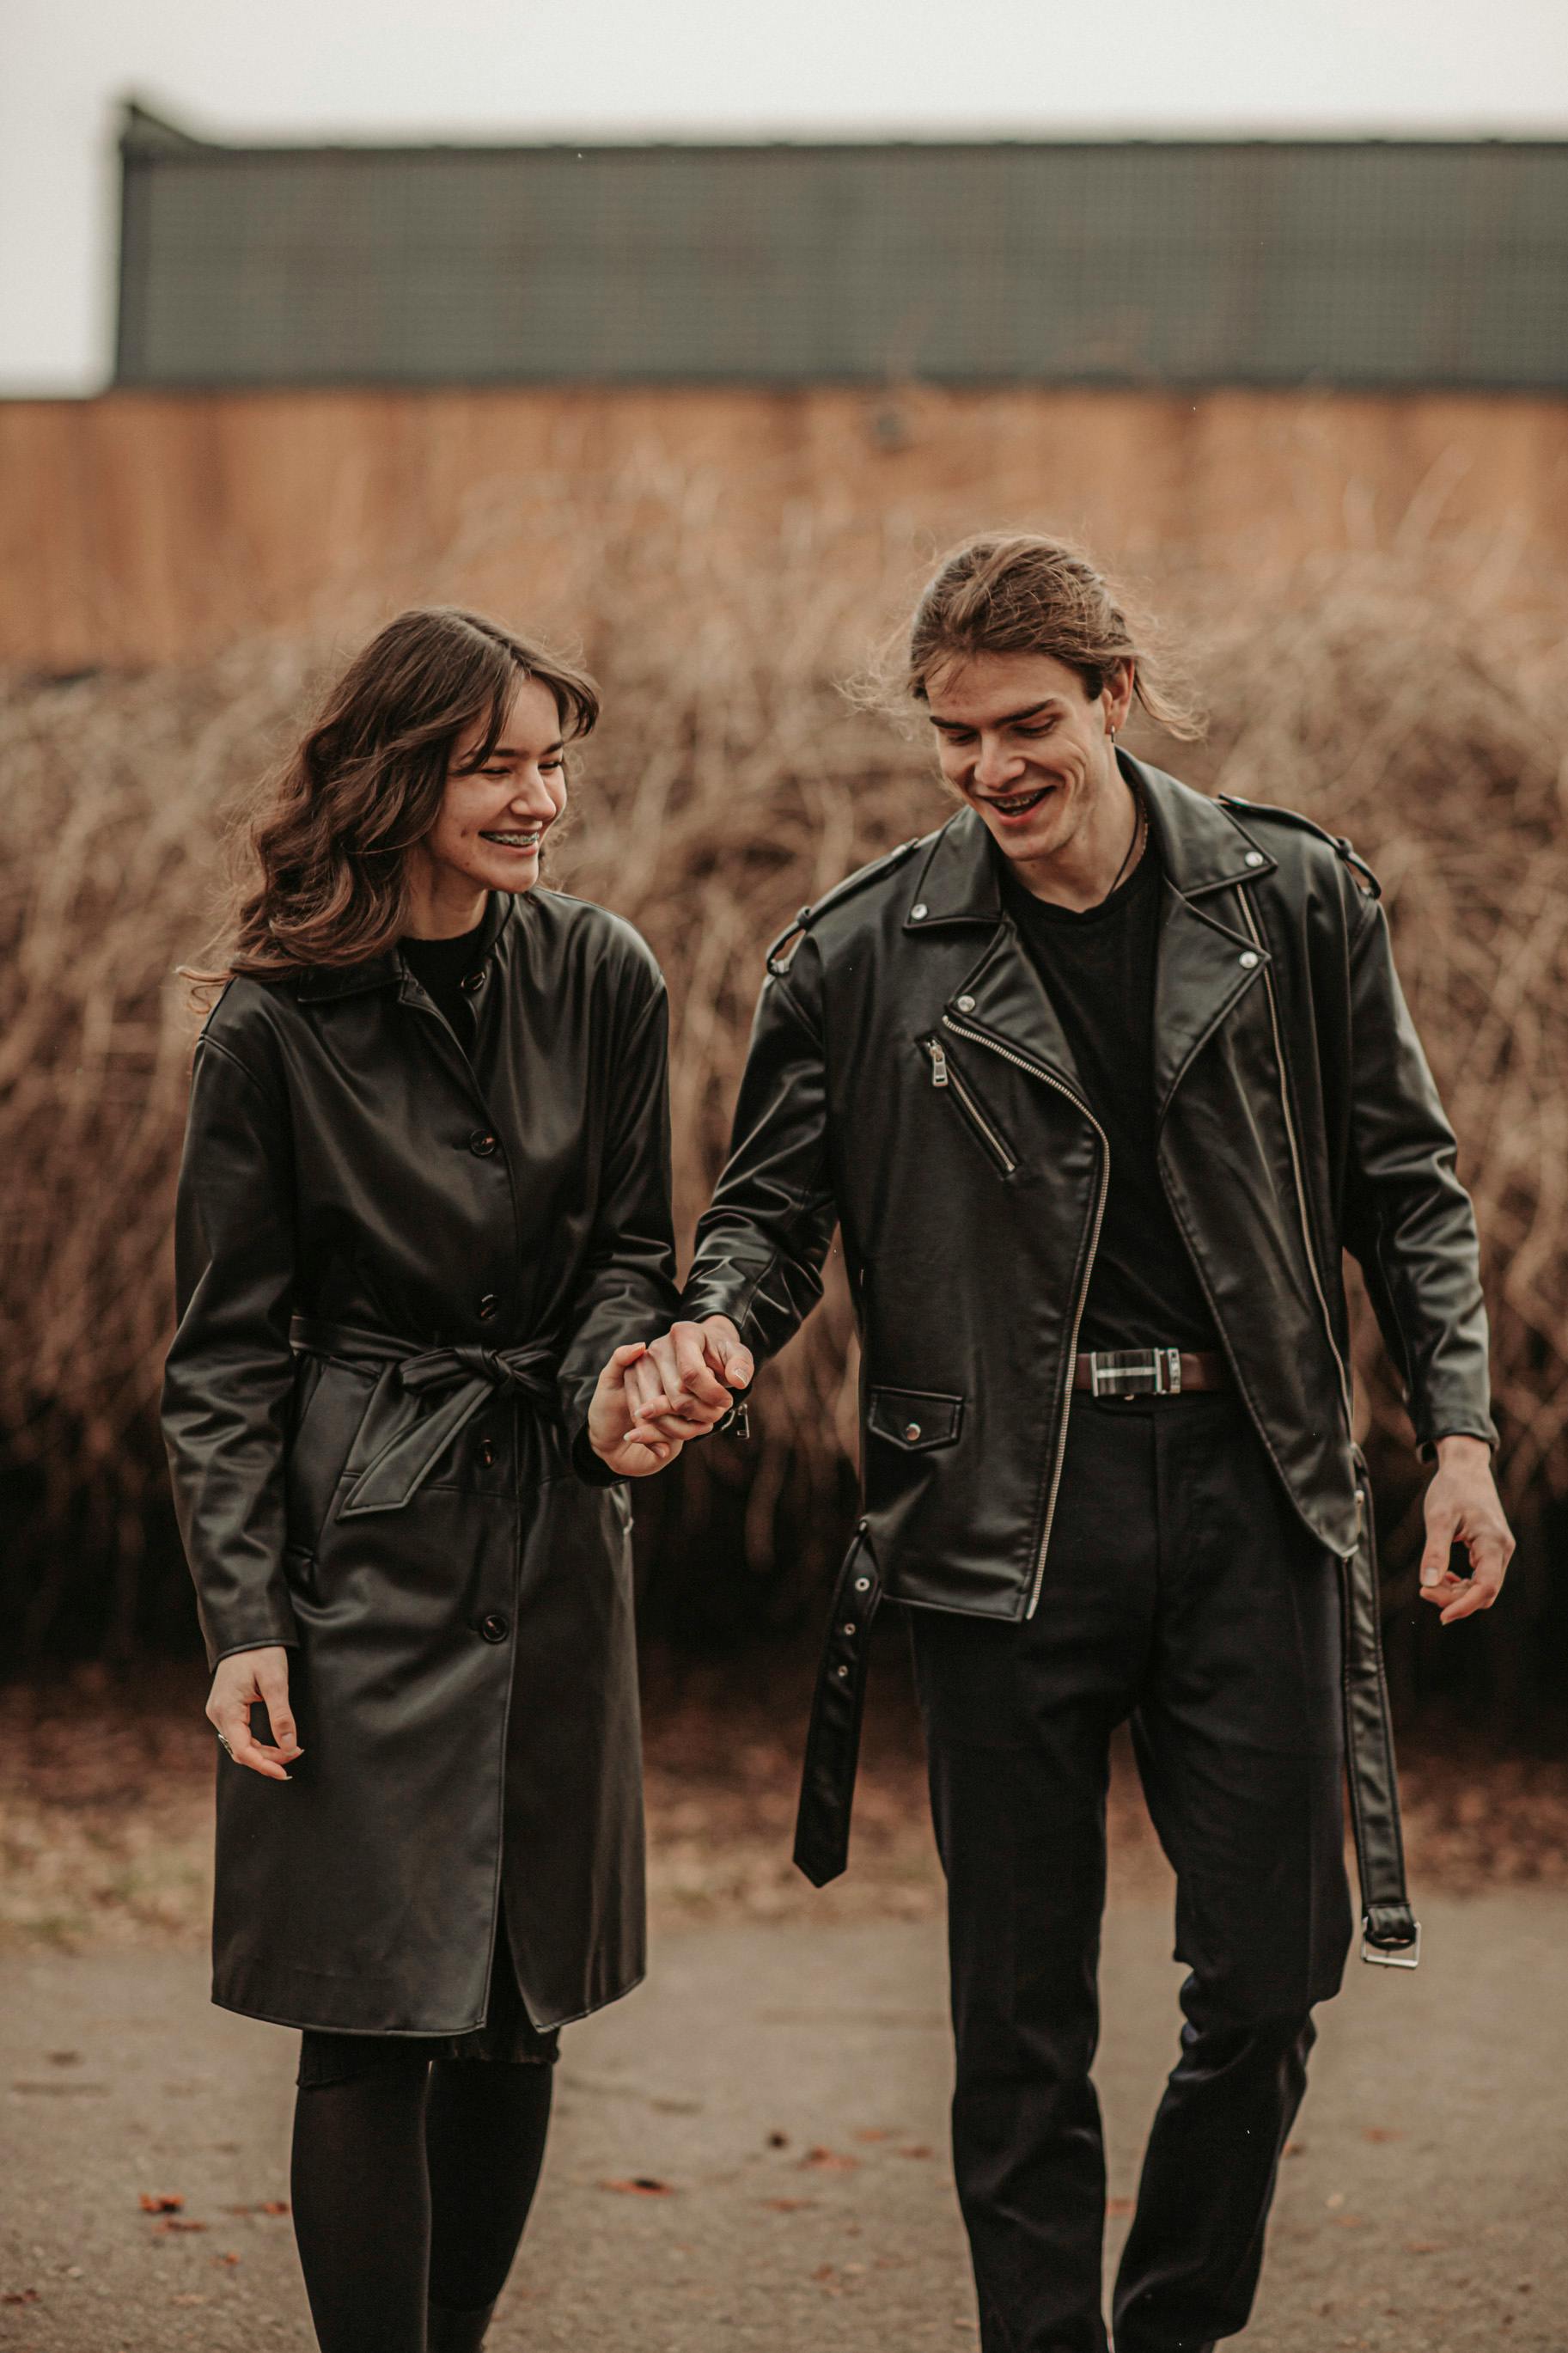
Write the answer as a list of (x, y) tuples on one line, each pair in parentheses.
[(910, 1082), (400, 1271)]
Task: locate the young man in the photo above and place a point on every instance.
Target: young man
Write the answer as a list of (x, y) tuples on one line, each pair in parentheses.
[(1096, 1083)]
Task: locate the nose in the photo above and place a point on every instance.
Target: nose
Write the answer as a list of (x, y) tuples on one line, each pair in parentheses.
[(997, 766), (531, 796)]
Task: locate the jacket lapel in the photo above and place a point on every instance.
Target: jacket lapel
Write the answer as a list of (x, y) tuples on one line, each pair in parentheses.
[(1003, 995), (1207, 959)]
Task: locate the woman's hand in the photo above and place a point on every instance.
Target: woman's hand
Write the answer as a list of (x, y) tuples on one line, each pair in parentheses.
[(238, 1681), (623, 1434)]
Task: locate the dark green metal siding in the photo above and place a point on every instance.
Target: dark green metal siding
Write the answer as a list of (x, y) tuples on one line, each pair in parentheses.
[(1365, 263)]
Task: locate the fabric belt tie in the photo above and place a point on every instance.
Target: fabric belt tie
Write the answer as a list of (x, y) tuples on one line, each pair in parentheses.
[(396, 1448), (1390, 1934)]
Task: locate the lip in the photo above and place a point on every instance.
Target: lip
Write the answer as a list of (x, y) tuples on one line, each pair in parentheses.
[(1020, 817), (527, 846)]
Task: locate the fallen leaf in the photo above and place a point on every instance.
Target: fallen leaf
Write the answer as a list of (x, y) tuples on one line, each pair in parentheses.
[(173, 2222), (63, 2058), (21, 2295), (1295, 2148), (1381, 2133), (226, 2259), (159, 2203), (641, 2185), (823, 2272), (873, 2132), (1119, 2205), (1422, 2246), (187, 2299), (273, 2206), (789, 2205), (828, 2161), (916, 2148)]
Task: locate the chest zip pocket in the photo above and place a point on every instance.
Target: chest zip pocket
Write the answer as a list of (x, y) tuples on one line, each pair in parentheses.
[(943, 1074)]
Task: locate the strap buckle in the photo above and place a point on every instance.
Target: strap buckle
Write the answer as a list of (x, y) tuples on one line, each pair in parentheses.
[(1135, 1372), (1391, 1956)]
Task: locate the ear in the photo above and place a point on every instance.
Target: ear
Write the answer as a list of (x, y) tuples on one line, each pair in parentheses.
[(1116, 695)]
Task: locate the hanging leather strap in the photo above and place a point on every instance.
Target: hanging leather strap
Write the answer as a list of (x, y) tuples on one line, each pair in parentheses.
[(833, 1741), (1390, 1933)]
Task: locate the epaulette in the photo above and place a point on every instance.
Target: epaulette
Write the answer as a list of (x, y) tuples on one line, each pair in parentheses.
[(777, 961), (1336, 841)]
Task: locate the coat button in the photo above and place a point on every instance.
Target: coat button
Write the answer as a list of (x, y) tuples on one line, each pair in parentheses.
[(494, 1626), (481, 1145), (1248, 958), (487, 1306), (472, 980), (912, 1431), (1255, 858), (966, 1003), (916, 912), (862, 1585)]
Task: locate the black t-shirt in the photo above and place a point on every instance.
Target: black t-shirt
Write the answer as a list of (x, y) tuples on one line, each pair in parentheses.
[(439, 966), (1098, 968)]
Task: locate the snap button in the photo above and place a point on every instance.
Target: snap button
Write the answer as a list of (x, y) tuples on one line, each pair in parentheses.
[(481, 1145), (843, 1672), (487, 1453), (862, 1585), (1255, 858), (862, 1525), (849, 1625), (472, 980), (487, 1306), (912, 1431), (1248, 958), (494, 1627), (966, 1003), (917, 913)]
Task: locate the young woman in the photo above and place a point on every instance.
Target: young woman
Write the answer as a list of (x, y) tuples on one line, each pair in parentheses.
[(424, 1200)]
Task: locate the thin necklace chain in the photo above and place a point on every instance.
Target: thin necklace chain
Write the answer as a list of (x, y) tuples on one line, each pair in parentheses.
[(1134, 850)]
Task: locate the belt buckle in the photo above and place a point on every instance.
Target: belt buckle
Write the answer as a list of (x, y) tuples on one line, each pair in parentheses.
[(1135, 1372), (1391, 1956)]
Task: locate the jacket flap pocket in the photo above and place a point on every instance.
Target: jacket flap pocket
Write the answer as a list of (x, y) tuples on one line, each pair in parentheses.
[(914, 1418)]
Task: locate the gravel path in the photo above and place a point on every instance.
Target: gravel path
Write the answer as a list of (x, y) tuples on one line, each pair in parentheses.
[(783, 2088)]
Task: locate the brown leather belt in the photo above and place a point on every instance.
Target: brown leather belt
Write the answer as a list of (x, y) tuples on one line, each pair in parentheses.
[(1149, 1372)]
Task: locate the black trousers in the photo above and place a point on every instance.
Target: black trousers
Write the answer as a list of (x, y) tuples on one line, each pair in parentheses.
[(1180, 1591)]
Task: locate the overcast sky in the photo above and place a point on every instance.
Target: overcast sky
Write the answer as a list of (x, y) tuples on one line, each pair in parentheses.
[(706, 68)]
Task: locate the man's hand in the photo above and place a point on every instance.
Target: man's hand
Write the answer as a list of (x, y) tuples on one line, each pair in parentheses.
[(687, 1381), (1463, 1507), (621, 1433), (238, 1681)]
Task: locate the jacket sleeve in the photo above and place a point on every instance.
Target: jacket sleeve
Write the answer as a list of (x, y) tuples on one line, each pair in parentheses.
[(760, 1246), (628, 1289), (229, 1378), (1408, 1219)]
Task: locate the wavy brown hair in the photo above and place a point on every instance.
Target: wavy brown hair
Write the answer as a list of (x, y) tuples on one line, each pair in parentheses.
[(321, 855), (1020, 593)]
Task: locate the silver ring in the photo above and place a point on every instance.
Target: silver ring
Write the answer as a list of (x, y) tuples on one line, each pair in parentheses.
[(223, 1744)]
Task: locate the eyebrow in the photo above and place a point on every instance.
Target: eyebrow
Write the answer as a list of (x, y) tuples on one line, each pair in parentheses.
[(1014, 718)]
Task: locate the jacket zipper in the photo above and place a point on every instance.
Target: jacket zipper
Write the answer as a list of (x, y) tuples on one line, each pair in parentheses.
[(942, 1075), (1296, 1164), (1036, 1070)]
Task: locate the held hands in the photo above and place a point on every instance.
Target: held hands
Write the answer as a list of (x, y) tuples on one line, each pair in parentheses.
[(652, 1400), (1463, 1507), (238, 1681)]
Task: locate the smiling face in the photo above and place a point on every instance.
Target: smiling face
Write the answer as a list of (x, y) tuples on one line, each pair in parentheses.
[(493, 816), (1021, 740)]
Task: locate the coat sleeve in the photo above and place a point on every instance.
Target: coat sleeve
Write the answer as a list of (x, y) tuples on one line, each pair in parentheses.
[(1408, 1219), (760, 1246), (230, 1378), (628, 1289)]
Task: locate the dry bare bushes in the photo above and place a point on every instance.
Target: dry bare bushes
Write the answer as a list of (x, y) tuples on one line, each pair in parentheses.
[(730, 782)]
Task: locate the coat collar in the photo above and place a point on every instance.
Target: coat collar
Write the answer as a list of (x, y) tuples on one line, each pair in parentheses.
[(322, 982), (1202, 848), (1203, 966)]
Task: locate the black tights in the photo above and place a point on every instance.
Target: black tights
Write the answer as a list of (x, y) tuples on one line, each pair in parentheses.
[(412, 2182)]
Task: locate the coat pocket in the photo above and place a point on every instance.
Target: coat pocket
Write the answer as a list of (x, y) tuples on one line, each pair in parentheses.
[(915, 1419), (982, 1123)]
